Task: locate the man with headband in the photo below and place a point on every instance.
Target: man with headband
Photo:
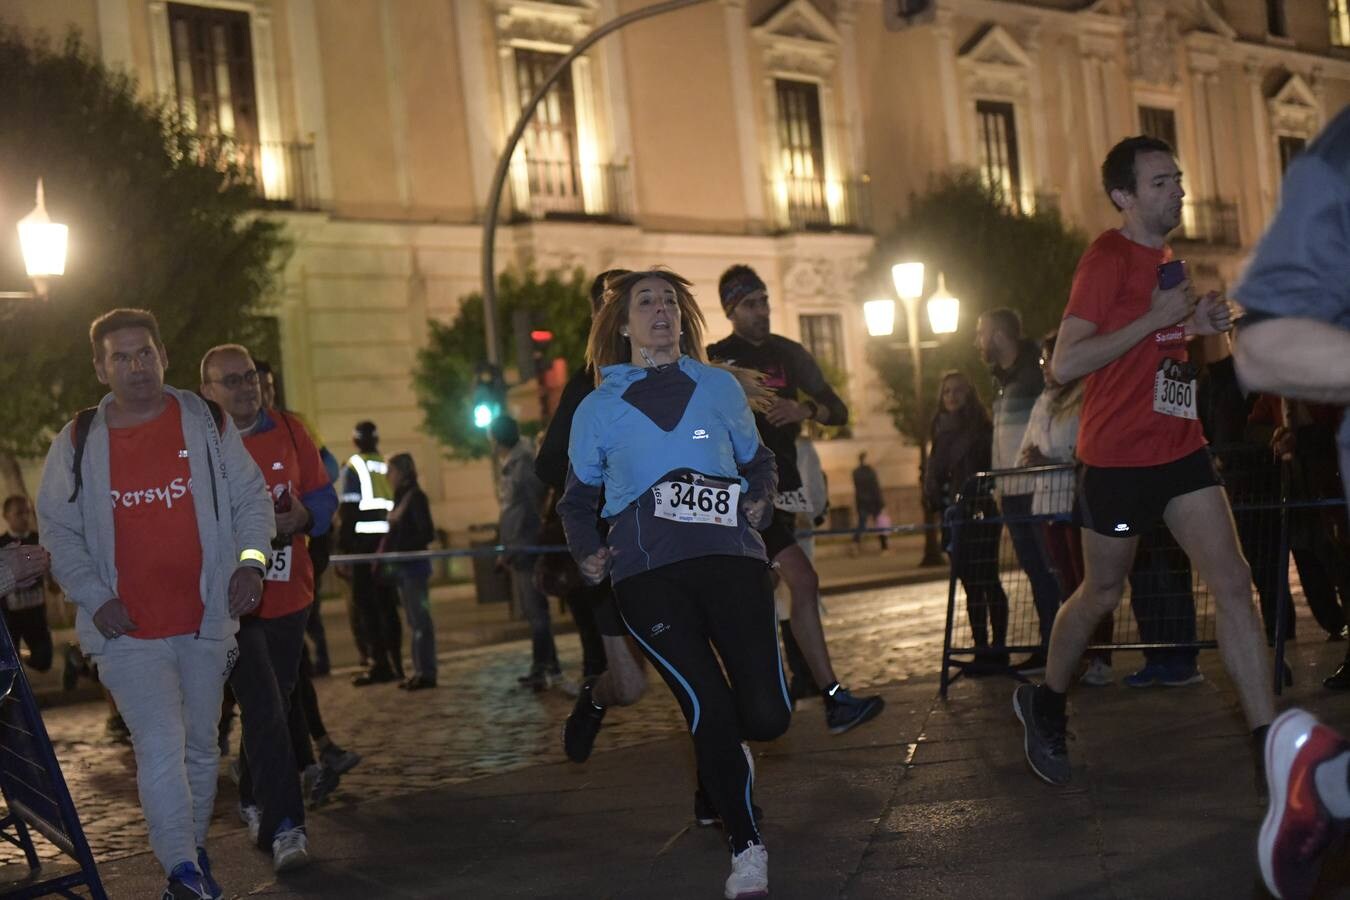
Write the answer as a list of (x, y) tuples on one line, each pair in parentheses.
[(789, 372)]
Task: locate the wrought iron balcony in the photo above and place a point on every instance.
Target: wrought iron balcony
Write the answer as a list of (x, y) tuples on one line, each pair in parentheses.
[(818, 204), (564, 189), (281, 173), (1213, 222)]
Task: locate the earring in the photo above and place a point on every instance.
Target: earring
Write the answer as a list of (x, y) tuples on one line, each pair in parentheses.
[(623, 333)]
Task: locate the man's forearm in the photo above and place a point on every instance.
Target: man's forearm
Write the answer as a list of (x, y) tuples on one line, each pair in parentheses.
[(1087, 355), (1301, 358)]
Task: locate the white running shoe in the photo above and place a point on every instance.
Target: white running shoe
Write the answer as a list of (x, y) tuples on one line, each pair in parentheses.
[(252, 817), (749, 873), (290, 850), (1098, 674)]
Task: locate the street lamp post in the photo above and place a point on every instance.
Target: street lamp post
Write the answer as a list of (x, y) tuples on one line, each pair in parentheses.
[(944, 312), (44, 250)]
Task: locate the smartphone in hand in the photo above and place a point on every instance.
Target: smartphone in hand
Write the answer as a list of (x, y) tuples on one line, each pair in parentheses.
[(1171, 274)]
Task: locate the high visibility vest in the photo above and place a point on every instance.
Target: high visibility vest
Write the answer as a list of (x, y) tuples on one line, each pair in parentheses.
[(375, 498)]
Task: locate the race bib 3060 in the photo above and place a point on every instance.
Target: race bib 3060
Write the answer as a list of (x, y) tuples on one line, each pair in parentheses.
[(1174, 389)]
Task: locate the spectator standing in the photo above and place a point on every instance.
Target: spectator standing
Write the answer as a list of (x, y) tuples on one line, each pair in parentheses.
[(159, 525), (1051, 439), (411, 528), (867, 498), (25, 608), (521, 495), (1014, 362), (960, 437)]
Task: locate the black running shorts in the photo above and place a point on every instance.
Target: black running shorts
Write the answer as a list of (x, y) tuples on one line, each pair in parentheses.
[(1125, 501), (779, 534)]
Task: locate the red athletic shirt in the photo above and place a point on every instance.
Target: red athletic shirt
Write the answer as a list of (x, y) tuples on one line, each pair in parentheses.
[(289, 462), (1120, 426), (157, 547)]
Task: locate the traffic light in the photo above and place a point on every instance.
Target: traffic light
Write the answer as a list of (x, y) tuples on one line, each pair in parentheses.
[(540, 339), (487, 396)]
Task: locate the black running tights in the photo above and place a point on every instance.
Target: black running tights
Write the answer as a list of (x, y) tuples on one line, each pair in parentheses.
[(679, 614)]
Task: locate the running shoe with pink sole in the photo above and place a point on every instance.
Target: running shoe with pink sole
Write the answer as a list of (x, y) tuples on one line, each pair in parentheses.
[(1298, 828)]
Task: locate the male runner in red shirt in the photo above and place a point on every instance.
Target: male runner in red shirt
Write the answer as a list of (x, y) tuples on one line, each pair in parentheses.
[(1141, 446), (271, 640), (158, 523)]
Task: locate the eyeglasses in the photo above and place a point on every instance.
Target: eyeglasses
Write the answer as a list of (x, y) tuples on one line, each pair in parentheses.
[(234, 380)]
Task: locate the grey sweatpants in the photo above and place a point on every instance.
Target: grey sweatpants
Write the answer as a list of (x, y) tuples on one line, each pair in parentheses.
[(168, 691)]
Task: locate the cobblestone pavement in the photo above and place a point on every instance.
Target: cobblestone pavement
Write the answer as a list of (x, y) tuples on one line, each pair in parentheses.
[(477, 723)]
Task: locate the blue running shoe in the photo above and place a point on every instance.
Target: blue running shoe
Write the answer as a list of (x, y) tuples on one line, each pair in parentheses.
[(1152, 673), (186, 883), (204, 865)]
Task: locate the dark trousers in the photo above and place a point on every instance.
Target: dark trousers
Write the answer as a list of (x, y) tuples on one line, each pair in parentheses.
[(1029, 545), (314, 628), (865, 515), (1161, 597), (583, 603), (803, 682), (679, 614), (975, 561), (30, 626), (262, 681), (377, 603)]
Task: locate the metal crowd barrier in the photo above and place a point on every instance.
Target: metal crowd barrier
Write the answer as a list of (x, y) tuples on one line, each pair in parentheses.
[(1011, 541), (35, 792)]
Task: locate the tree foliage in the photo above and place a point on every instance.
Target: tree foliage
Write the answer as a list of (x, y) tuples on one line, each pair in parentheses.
[(158, 217), (992, 257), (446, 367)]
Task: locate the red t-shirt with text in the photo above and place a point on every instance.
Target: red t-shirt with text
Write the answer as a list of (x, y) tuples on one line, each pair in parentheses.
[(157, 546), (1120, 427), (289, 462)]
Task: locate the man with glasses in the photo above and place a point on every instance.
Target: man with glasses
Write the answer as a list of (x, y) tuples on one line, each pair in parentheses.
[(272, 637)]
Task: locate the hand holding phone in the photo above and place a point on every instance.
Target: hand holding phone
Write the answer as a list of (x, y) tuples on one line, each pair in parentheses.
[(1171, 274)]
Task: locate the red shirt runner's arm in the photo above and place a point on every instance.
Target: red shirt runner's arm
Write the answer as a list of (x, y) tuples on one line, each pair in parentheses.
[(1081, 349)]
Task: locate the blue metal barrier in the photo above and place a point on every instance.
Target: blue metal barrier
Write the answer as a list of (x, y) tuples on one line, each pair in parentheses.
[(35, 792)]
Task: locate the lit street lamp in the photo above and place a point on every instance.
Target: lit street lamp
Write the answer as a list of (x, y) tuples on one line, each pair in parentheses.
[(944, 315), (44, 249)]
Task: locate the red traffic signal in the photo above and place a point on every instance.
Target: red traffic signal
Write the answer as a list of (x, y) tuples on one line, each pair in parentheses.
[(541, 337)]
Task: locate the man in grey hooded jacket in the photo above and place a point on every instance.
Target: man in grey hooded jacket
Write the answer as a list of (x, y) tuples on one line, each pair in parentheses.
[(158, 523)]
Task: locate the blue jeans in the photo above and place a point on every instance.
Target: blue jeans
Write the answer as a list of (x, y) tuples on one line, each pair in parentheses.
[(533, 605), (1028, 540), (417, 611)]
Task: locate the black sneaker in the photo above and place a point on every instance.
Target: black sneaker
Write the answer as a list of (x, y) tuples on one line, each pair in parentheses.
[(338, 760), (1046, 745), (705, 816), (377, 675), (844, 711), (324, 786), (582, 725)]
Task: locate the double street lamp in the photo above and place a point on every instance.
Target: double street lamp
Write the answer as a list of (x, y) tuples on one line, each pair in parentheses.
[(44, 250), (944, 315)]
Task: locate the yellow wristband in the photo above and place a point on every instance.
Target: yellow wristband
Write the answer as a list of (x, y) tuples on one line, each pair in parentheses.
[(253, 556)]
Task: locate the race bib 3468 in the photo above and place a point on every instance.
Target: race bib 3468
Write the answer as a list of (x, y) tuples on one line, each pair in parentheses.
[(703, 504)]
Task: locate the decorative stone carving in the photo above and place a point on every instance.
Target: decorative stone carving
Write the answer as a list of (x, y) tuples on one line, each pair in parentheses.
[(1151, 41), (797, 38), (996, 65), (814, 279), (1294, 108), (563, 24)]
